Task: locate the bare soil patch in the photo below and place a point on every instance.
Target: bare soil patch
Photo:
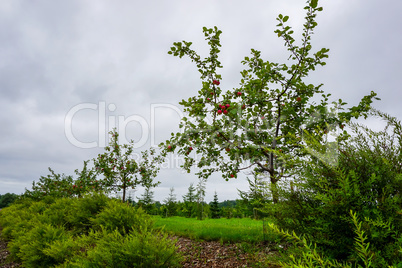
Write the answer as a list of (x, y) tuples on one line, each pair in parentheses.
[(199, 254)]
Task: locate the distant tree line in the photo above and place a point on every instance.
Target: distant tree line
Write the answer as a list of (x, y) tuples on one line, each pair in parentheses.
[(250, 204), (7, 199)]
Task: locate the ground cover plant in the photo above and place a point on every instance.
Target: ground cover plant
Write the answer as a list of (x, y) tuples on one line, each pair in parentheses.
[(93, 231)]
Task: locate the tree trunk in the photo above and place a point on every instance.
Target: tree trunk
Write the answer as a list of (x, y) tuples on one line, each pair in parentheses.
[(274, 189), (124, 191)]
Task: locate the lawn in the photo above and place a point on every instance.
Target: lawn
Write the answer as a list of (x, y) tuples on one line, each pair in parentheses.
[(225, 230)]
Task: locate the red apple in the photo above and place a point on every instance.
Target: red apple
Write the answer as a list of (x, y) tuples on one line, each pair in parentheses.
[(225, 111), (190, 148), (227, 149), (169, 147), (216, 82), (298, 99), (239, 93), (231, 175), (219, 111), (243, 106), (227, 105), (208, 99)]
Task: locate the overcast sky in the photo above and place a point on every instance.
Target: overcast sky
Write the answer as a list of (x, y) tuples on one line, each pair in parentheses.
[(68, 69)]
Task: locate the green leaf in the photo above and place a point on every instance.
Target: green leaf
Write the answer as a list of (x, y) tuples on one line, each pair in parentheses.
[(285, 19), (314, 3)]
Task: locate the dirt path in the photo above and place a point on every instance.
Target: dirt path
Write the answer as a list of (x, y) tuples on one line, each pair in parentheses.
[(199, 254)]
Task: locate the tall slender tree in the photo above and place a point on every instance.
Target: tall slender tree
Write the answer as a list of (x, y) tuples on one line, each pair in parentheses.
[(256, 196), (147, 199), (214, 207), (121, 172), (170, 203), (189, 200), (200, 197)]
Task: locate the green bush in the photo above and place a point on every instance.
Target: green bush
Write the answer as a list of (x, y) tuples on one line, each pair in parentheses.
[(19, 217), (133, 250), (57, 213), (122, 217), (93, 231), (29, 247), (367, 180), (68, 248), (83, 209)]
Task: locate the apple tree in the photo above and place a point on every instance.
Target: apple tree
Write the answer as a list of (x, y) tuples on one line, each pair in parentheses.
[(121, 172), (60, 185), (259, 125), (87, 182), (55, 185)]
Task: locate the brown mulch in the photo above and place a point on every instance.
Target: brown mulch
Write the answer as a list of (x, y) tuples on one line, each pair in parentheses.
[(214, 254)]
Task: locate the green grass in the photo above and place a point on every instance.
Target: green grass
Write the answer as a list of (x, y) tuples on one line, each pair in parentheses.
[(225, 230)]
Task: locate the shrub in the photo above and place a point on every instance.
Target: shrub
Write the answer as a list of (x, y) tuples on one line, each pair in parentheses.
[(133, 250), (368, 181), (57, 213), (29, 247), (71, 247), (20, 217), (93, 231), (83, 209), (122, 217)]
